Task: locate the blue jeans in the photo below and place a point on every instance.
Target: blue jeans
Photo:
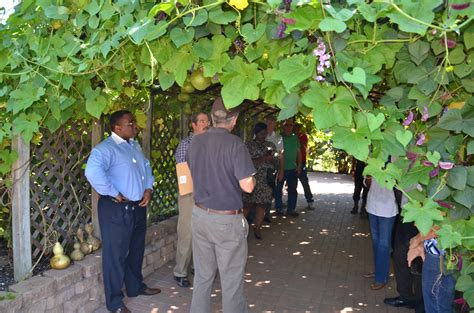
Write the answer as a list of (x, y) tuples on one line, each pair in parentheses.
[(305, 183), (292, 180), (438, 286), (381, 232)]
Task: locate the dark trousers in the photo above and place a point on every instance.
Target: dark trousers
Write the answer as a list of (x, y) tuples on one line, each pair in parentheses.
[(292, 180), (358, 187), (123, 230), (409, 286), (303, 177)]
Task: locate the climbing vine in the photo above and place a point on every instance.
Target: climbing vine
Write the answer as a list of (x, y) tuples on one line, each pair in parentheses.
[(387, 78)]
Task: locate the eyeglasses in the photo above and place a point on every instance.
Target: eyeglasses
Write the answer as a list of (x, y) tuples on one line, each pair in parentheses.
[(129, 124)]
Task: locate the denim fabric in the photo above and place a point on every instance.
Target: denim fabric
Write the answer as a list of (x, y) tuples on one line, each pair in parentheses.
[(305, 183), (292, 180), (438, 287), (381, 232)]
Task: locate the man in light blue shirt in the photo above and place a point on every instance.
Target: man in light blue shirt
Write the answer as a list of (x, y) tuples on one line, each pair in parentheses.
[(122, 176)]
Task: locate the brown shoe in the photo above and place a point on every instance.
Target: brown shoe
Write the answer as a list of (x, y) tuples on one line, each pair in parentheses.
[(123, 309), (369, 275), (150, 291), (377, 286)]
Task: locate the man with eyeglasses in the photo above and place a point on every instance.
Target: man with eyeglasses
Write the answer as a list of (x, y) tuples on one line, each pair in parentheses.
[(122, 176), (199, 124)]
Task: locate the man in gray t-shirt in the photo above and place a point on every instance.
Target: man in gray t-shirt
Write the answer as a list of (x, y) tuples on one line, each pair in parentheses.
[(221, 168)]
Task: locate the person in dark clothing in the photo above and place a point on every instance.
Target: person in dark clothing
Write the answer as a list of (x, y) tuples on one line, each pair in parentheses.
[(358, 170), (408, 283)]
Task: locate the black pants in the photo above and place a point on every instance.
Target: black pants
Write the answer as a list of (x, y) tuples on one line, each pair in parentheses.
[(123, 230), (358, 186), (408, 285)]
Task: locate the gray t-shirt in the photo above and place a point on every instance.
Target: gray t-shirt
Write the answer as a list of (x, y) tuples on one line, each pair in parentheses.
[(218, 160)]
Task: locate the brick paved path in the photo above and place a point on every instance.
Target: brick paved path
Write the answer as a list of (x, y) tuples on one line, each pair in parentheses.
[(312, 263)]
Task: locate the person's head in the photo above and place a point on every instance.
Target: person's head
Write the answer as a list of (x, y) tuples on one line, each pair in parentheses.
[(271, 122), (123, 124), (288, 127), (199, 123), (297, 128), (222, 117), (260, 131)]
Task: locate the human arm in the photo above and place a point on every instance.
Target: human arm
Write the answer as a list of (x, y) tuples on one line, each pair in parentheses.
[(96, 173), (247, 184)]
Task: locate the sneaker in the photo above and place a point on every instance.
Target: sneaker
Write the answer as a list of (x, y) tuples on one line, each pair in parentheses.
[(310, 206), (354, 211), (278, 213), (292, 214)]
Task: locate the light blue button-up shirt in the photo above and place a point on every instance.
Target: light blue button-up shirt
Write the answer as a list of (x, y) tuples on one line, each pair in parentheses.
[(116, 165)]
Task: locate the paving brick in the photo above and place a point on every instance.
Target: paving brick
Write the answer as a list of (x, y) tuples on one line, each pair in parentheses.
[(91, 264), (66, 277), (153, 257), (167, 249), (35, 288), (313, 263), (11, 306), (60, 297), (86, 284), (158, 244), (56, 309), (76, 302)]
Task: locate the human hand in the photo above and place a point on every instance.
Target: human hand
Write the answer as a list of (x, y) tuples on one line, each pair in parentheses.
[(298, 170), (120, 198), (280, 175), (367, 181), (146, 198)]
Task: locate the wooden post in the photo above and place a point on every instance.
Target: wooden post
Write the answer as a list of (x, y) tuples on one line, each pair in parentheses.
[(97, 136), (21, 232), (146, 140)]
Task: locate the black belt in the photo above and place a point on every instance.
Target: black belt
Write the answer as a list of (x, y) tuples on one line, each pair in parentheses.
[(123, 201), (226, 212)]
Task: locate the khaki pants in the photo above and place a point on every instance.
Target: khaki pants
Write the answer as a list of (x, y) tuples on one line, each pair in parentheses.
[(219, 243), (184, 246)]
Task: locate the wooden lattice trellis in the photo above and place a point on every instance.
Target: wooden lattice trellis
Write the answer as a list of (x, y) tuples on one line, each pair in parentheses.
[(166, 134), (60, 195)]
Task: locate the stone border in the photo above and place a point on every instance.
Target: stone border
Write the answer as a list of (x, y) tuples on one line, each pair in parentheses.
[(79, 288)]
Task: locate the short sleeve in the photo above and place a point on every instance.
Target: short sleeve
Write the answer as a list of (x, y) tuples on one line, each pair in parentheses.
[(243, 165)]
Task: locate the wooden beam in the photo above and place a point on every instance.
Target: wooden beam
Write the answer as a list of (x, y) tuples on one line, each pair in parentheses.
[(97, 136), (21, 231)]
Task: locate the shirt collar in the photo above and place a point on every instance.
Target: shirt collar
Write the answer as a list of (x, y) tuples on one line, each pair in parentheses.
[(118, 140)]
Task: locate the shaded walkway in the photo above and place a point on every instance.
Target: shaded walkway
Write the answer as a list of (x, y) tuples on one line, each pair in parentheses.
[(313, 263)]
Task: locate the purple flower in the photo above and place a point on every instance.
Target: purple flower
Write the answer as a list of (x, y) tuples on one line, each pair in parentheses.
[(411, 155), (421, 139), (426, 114), (448, 43), (288, 21), (460, 6), (408, 119), (427, 163), (281, 30), (446, 165), (320, 68), (319, 78), (434, 173), (444, 204)]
